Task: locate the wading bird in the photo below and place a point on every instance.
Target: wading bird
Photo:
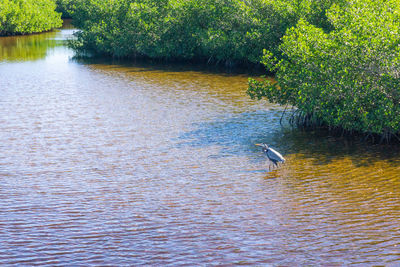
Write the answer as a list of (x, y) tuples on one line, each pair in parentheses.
[(274, 156)]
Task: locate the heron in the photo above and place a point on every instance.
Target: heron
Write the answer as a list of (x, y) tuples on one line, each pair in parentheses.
[(273, 155)]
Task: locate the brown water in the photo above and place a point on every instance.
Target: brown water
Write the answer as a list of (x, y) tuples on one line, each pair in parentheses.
[(116, 164)]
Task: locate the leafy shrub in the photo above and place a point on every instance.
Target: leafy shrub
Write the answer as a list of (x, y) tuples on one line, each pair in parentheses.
[(221, 31), (27, 16), (66, 8), (347, 78)]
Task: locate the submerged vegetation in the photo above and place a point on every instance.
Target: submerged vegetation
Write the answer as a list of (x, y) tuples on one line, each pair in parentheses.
[(347, 78), (28, 16)]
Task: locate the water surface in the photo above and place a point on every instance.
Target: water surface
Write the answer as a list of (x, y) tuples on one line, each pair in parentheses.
[(106, 163)]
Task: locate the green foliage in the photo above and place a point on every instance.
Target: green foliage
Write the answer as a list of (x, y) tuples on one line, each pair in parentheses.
[(27, 16), (66, 8), (221, 31), (348, 77)]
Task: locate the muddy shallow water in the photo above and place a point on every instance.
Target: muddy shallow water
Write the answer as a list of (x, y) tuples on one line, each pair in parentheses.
[(129, 164)]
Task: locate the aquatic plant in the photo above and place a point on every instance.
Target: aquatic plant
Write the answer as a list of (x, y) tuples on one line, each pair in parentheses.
[(28, 16), (216, 31), (346, 78), (66, 8)]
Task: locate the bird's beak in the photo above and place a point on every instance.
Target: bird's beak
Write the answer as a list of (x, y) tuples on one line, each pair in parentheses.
[(258, 144)]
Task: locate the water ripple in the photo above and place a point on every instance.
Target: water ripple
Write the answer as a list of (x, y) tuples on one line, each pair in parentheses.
[(113, 164)]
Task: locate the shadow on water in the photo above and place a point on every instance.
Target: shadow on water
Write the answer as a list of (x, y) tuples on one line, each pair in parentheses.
[(324, 148), (237, 135), (169, 66)]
